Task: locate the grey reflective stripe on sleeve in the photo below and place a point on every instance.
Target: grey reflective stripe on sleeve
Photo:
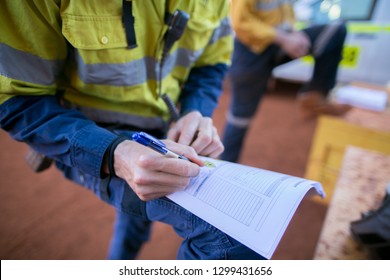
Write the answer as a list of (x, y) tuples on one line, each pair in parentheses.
[(104, 116), (225, 29), (237, 121), (181, 57), (23, 66)]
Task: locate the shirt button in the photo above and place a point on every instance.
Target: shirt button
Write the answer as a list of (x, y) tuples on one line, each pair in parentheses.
[(104, 40)]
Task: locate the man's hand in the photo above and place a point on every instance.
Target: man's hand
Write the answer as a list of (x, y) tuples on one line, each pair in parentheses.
[(198, 132), (150, 174), (296, 44)]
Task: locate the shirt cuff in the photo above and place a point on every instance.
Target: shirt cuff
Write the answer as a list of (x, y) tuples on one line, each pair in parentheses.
[(88, 148)]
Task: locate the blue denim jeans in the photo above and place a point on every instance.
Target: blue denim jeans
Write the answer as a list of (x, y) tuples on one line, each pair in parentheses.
[(134, 218), (249, 75)]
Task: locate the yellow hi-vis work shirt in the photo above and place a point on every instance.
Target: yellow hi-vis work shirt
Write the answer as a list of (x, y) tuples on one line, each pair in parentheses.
[(80, 47)]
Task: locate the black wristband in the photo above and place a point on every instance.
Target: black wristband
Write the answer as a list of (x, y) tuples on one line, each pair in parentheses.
[(110, 150)]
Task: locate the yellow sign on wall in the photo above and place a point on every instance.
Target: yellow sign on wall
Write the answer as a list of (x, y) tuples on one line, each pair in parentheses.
[(349, 60), (350, 56)]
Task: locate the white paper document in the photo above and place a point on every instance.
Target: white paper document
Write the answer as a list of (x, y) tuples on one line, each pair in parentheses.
[(364, 98), (252, 205)]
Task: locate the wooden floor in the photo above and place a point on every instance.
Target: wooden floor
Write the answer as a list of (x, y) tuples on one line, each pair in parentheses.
[(44, 216)]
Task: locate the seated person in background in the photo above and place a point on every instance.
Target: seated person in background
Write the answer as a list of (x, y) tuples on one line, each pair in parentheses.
[(265, 38)]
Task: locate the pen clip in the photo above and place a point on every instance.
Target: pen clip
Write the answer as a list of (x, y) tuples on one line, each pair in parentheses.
[(151, 140), (155, 144)]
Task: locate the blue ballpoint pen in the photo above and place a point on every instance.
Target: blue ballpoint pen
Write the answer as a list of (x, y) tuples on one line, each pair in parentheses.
[(155, 144)]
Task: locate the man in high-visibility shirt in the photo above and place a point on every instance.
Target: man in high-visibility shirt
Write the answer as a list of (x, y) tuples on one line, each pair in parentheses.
[(78, 78), (265, 38)]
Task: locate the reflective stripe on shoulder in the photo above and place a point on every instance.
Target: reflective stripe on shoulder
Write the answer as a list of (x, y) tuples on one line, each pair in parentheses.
[(35, 69)]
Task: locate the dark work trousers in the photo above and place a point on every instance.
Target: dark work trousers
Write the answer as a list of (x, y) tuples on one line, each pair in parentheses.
[(250, 72)]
